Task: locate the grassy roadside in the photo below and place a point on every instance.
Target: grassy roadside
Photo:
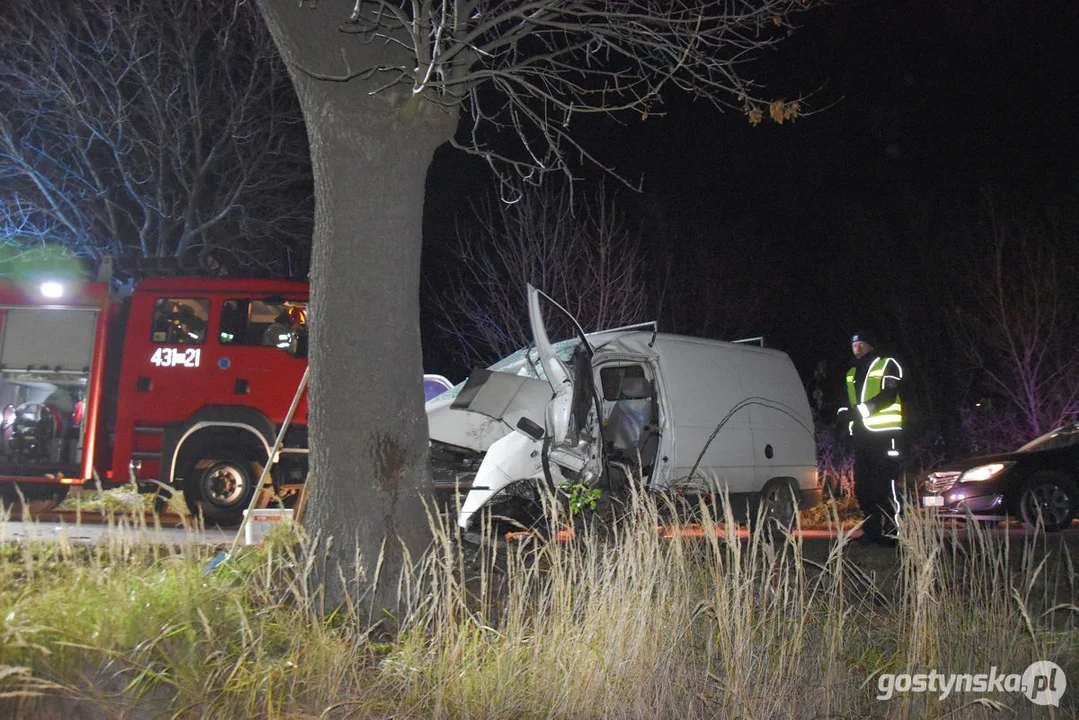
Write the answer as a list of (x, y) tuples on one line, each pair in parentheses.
[(124, 499), (127, 500), (627, 624)]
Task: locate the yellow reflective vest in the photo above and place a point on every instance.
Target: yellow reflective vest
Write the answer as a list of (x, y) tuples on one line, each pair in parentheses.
[(884, 419)]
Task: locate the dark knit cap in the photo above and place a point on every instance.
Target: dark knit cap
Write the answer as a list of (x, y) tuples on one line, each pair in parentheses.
[(865, 336)]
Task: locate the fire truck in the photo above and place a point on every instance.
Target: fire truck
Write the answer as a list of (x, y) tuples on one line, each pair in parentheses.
[(180, 383)]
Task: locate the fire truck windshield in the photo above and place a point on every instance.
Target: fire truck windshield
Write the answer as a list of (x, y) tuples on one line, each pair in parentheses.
[(272, 323), (180, 321)]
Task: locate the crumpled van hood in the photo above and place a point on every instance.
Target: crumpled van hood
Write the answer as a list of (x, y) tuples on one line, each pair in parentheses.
[(486, 409)]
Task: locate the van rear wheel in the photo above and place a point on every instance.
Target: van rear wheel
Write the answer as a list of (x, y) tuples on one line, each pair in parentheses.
[(778, 508), (221, 486)]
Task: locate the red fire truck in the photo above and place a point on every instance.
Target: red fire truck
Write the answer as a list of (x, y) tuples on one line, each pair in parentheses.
[(185, 381)]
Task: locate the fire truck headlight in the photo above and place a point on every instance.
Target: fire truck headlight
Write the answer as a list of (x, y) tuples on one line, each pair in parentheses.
[(52, 289)]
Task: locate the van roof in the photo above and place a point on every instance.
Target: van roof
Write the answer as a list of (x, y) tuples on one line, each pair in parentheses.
[(641, 342)]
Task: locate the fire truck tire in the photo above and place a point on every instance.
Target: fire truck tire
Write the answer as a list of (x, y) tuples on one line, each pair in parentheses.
[(220, 488), (34, 502)]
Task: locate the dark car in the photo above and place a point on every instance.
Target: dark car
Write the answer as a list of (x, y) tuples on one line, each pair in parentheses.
[(1039, 481)]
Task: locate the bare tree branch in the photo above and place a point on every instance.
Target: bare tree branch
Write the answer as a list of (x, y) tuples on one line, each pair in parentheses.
[(549, 60), (1017, 328), (577, 247), (138, 128)]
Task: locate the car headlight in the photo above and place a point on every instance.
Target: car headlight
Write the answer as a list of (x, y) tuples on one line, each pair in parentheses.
[(984, 472)]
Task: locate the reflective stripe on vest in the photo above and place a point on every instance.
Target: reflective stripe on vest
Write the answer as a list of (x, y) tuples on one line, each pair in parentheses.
[(885, 419)]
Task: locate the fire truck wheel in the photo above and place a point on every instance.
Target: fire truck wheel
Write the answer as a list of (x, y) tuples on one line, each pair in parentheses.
[(221, 486), (34, 503)]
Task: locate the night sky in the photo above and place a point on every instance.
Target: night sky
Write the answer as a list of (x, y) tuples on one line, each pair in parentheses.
[(925, 109)]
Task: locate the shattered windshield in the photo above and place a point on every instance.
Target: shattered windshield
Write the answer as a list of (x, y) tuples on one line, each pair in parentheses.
[(1059, 438), (524, 362)]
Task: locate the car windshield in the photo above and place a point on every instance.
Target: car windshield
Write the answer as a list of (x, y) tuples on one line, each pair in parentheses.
[(524, 362), (1058, 438)]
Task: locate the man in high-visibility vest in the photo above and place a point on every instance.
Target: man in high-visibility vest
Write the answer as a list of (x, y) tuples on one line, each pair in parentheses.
[(872, 412)]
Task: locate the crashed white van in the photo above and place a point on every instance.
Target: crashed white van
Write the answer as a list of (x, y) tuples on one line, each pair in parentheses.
[(687, 415)]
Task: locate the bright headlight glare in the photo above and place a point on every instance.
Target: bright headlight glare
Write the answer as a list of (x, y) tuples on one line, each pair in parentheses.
[(983, 472), (52, 289)]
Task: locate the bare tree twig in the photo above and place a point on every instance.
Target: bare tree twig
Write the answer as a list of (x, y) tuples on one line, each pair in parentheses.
[(579, 248), (123, 139), (548, 60), (1020, 307)]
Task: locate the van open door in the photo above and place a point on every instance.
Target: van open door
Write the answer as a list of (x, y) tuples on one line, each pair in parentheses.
[(573, 444), (567, 448)]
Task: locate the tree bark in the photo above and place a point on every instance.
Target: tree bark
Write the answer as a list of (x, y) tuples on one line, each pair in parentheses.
[(368, 430)]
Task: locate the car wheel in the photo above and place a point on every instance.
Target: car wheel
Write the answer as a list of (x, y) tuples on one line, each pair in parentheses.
[(1051, 498), (221, 487)]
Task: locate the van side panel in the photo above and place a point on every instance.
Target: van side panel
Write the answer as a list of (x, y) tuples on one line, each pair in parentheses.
[(702, 384), (783, 440)]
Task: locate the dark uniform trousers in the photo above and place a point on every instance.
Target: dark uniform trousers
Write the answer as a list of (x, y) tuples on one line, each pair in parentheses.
[(877, 482)]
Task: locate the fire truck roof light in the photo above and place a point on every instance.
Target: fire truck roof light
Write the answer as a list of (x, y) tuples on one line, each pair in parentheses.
[(52, 289)]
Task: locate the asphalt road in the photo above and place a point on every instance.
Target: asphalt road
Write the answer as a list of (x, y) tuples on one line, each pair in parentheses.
[(93, 529), (169, 529)]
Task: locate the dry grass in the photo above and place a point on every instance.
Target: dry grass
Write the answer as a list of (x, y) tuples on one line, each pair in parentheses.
[(125, 499), (619, 623)]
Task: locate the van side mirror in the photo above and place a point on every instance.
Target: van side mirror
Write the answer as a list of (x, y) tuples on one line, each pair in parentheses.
[(530, 428)]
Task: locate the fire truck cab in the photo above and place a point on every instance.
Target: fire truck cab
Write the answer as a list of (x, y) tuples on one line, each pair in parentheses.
[(185, 381)]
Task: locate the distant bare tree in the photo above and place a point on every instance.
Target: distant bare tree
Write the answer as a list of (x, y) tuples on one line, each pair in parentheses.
[(150, 129), (23, 232), (1017, 331), (575, 246)]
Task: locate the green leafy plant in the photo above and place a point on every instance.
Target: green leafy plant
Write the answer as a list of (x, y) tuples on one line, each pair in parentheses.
[(581, 496)]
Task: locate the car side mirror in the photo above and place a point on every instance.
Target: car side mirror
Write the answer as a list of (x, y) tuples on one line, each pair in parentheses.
[(530, 428)]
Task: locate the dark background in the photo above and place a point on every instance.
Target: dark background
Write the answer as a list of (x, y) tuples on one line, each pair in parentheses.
[(924, 115)]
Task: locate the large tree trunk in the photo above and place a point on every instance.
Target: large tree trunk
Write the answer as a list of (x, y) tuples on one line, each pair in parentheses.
[(368, 431)]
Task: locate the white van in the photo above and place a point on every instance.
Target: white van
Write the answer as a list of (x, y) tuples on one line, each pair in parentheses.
[(686, 414)]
